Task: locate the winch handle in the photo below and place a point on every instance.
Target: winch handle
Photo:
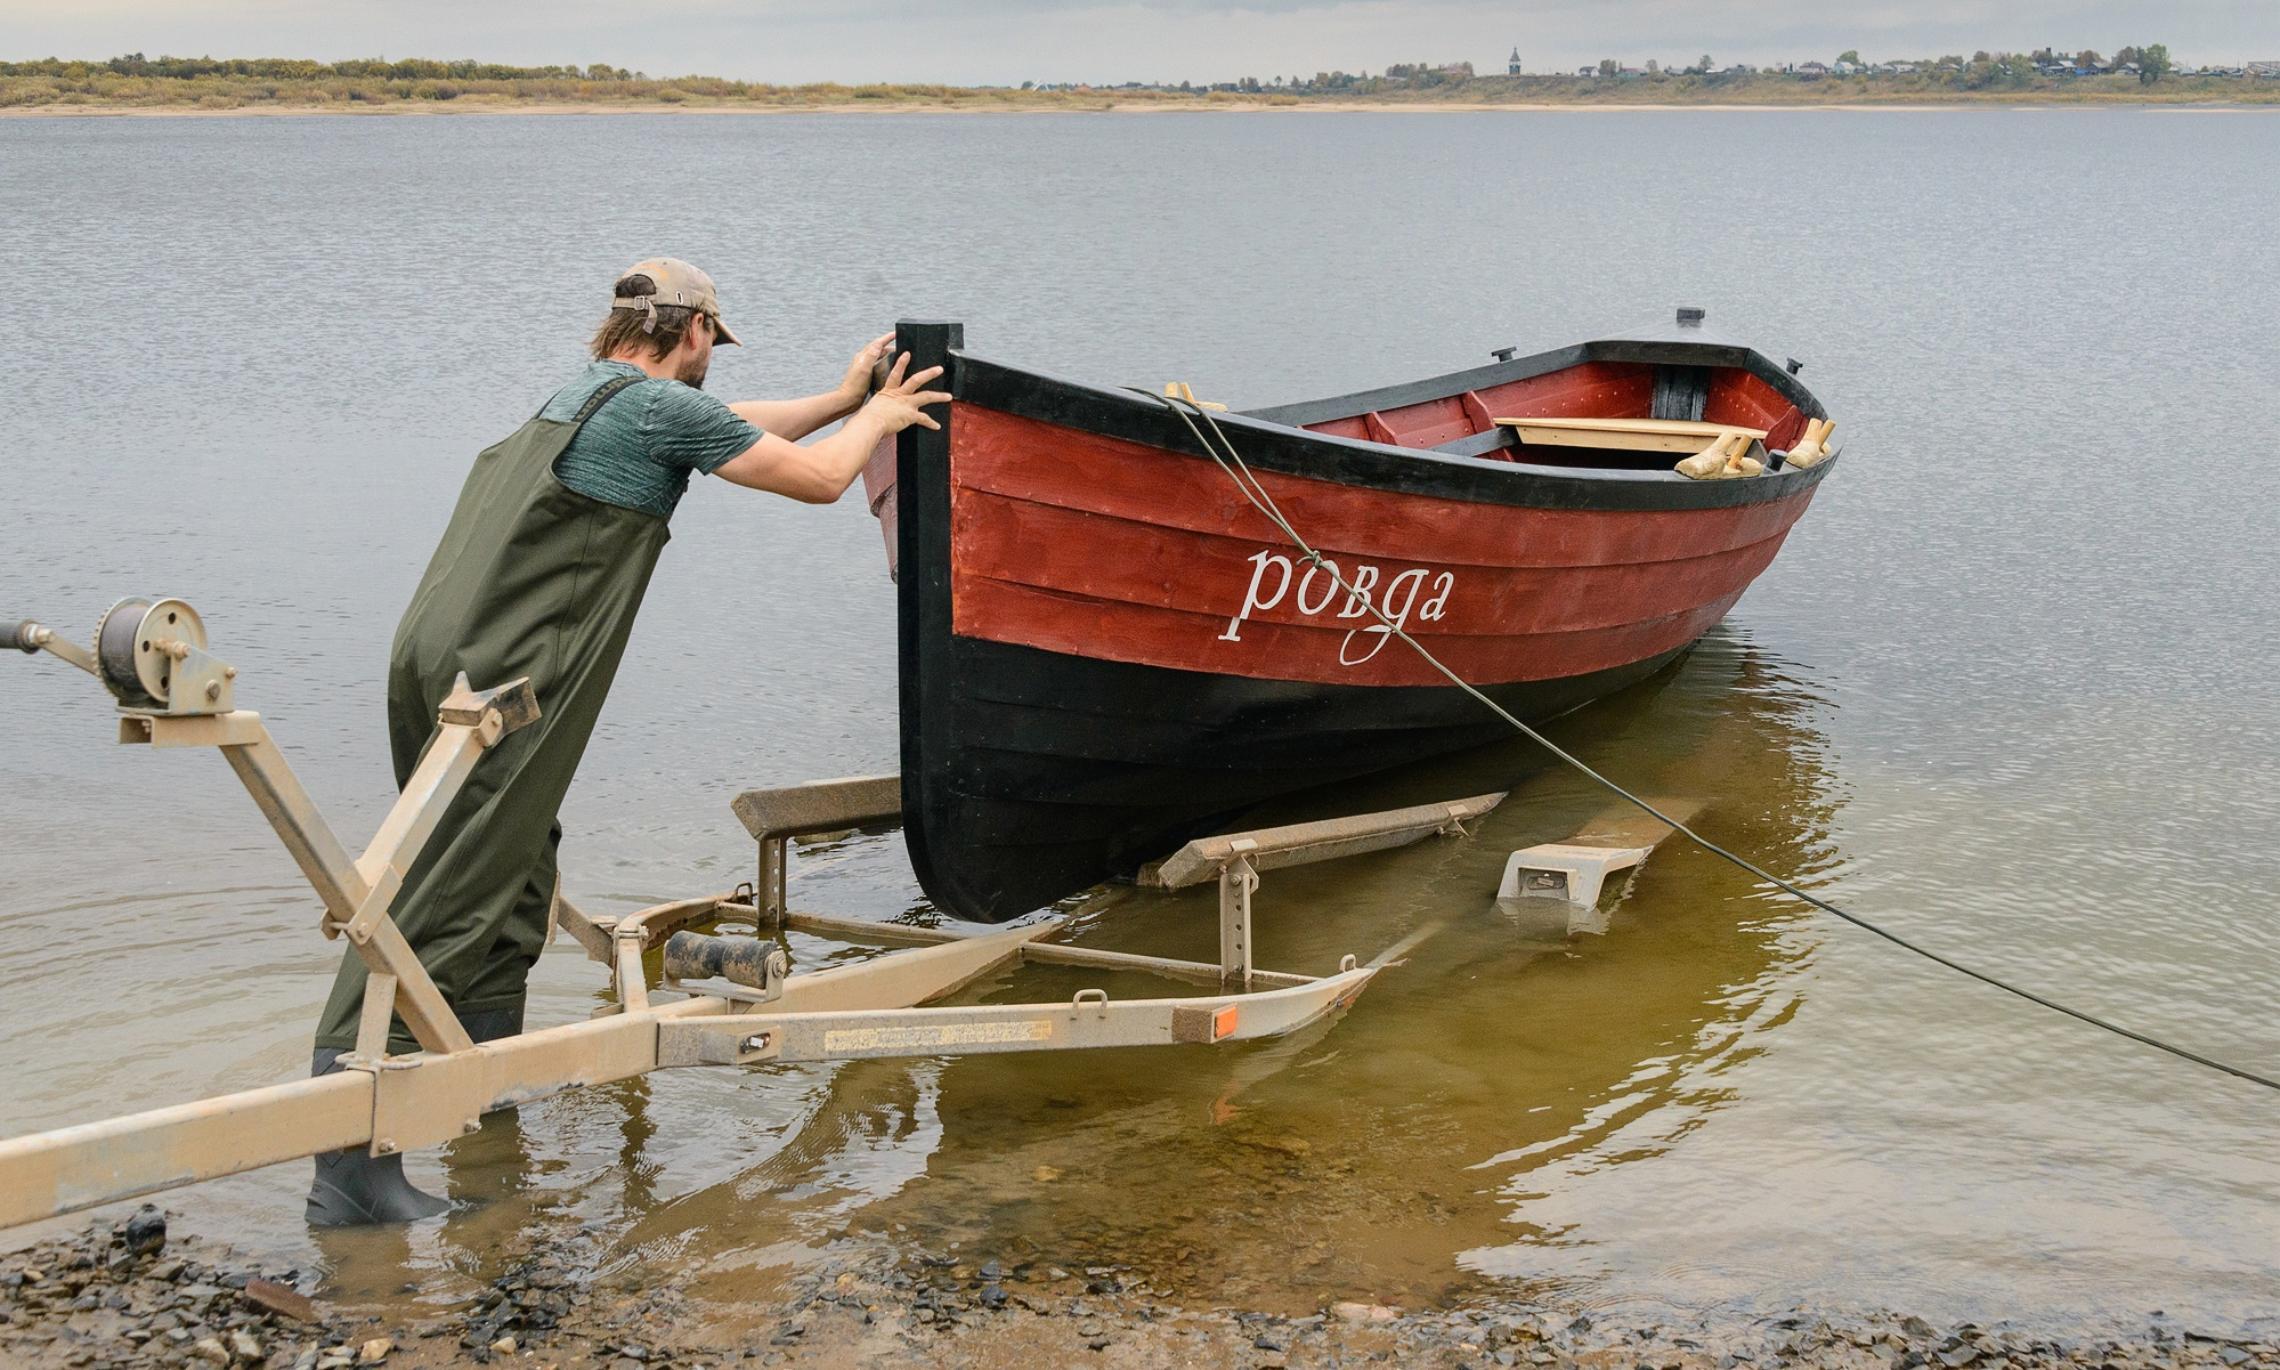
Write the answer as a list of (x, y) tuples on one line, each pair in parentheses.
[(31, 637)]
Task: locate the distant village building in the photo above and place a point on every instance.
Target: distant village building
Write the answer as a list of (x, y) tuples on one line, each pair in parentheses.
[(2267, 70), (1512, 67), (1812, 71)]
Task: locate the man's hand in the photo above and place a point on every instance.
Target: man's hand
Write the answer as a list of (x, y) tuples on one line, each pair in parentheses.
[(901, 402), (855, 387)]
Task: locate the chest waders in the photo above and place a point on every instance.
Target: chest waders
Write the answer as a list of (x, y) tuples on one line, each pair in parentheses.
[(531, 579)]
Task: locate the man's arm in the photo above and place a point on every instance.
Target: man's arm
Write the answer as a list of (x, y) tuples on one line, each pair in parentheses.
[(795, 419), (820, 472)]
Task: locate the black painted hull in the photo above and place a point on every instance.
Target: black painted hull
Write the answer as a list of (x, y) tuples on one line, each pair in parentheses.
[(1073, 769)]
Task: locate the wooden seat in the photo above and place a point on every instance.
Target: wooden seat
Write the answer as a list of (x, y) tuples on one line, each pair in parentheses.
[(1637, 435)]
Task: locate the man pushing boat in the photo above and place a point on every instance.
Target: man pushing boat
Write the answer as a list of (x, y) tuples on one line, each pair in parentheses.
[(540, 574)]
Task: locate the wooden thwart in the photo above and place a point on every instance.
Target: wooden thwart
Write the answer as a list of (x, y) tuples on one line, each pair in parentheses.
[(1636, 435)]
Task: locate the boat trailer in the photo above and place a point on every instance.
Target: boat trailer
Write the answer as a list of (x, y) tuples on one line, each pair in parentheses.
[(718, 1001)]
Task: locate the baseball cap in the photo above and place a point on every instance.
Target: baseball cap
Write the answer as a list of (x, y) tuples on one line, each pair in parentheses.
[(678, 283)]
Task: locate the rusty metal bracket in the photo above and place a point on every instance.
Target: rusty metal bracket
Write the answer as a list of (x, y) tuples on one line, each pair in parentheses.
[(774, 815)]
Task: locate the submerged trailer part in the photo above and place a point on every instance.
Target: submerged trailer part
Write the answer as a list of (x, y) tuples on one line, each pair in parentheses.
[(1576, 871)]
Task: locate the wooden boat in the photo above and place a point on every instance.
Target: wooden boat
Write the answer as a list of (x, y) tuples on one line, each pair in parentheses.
[(1106, 650)]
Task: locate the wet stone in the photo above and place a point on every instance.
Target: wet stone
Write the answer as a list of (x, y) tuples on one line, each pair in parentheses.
[(280, 1299), (145, 1231)]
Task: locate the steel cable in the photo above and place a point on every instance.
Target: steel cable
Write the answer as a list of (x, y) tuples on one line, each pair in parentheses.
[(1238, 471)]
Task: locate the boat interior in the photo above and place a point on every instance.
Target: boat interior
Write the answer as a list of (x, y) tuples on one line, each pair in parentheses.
[(1608, 415)]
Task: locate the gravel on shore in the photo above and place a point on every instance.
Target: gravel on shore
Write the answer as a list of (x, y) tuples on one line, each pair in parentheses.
[(127, 1293)]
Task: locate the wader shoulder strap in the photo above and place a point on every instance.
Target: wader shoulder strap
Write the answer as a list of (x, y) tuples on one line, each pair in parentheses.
[(609, 390)]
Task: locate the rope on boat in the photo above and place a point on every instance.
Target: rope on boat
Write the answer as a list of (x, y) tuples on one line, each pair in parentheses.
[(1238, 471)]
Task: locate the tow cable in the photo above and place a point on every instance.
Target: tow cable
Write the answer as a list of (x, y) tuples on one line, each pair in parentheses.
[(1237, 470)]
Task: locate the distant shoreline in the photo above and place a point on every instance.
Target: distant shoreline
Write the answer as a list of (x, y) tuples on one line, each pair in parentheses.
[(436, 109), (133, 84)]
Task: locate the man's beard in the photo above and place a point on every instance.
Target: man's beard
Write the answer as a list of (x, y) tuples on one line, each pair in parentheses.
[(692, 372)]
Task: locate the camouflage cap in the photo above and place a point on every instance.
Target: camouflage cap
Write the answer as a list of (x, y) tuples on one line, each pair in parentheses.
[(678, 283)]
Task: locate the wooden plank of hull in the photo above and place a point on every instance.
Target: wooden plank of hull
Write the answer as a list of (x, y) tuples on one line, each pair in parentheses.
[(1338, 655), (1021, 458), (1126, 562)]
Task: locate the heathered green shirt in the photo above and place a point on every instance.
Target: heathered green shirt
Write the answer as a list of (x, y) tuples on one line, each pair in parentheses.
[(639, 449)]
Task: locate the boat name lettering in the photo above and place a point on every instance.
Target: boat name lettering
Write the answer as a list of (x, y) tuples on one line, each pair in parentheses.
[(1315, 592)]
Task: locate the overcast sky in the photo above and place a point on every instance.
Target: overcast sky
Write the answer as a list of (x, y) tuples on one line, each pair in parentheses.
[(1008, 41)]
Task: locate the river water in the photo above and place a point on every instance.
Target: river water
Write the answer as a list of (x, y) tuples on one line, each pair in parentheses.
[(2009, 689)]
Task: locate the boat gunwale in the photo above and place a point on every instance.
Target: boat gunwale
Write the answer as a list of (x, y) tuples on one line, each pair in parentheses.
[(1271, 444), (1646, 352)]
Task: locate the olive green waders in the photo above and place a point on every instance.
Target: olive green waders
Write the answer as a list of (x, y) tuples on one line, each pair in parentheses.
[(531, 579)]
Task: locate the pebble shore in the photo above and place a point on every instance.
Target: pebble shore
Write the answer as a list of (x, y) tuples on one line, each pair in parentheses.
[(126, 1293)]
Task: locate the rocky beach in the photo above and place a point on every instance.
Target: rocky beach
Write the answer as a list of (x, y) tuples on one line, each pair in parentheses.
[(126, 1292)]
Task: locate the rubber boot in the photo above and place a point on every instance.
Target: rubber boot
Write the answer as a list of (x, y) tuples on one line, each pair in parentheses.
[(352, 1187)]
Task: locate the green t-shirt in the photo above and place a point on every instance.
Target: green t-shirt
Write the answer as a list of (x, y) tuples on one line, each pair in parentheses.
[(639, 449)]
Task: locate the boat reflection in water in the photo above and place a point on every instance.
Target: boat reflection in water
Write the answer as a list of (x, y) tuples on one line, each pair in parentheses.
[(1402, 1152)]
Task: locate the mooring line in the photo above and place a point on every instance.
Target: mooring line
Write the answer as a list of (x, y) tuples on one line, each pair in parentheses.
[(1239, 471)]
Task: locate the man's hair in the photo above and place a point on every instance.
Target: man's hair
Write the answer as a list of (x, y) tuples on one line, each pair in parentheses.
[(623, 328)]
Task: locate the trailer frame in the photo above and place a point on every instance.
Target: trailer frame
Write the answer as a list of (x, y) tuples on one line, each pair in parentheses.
[(718, 1001)]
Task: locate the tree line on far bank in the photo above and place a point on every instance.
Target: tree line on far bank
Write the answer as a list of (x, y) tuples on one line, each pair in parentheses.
[(136, 81)]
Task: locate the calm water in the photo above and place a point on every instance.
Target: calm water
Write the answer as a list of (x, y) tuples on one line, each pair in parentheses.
[(2010, 688)]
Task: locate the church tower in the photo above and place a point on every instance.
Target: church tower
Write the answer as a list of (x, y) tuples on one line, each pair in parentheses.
[(1512, 68)]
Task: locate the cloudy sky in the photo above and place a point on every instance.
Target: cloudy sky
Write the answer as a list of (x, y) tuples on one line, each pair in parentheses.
[(1008, 41)]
